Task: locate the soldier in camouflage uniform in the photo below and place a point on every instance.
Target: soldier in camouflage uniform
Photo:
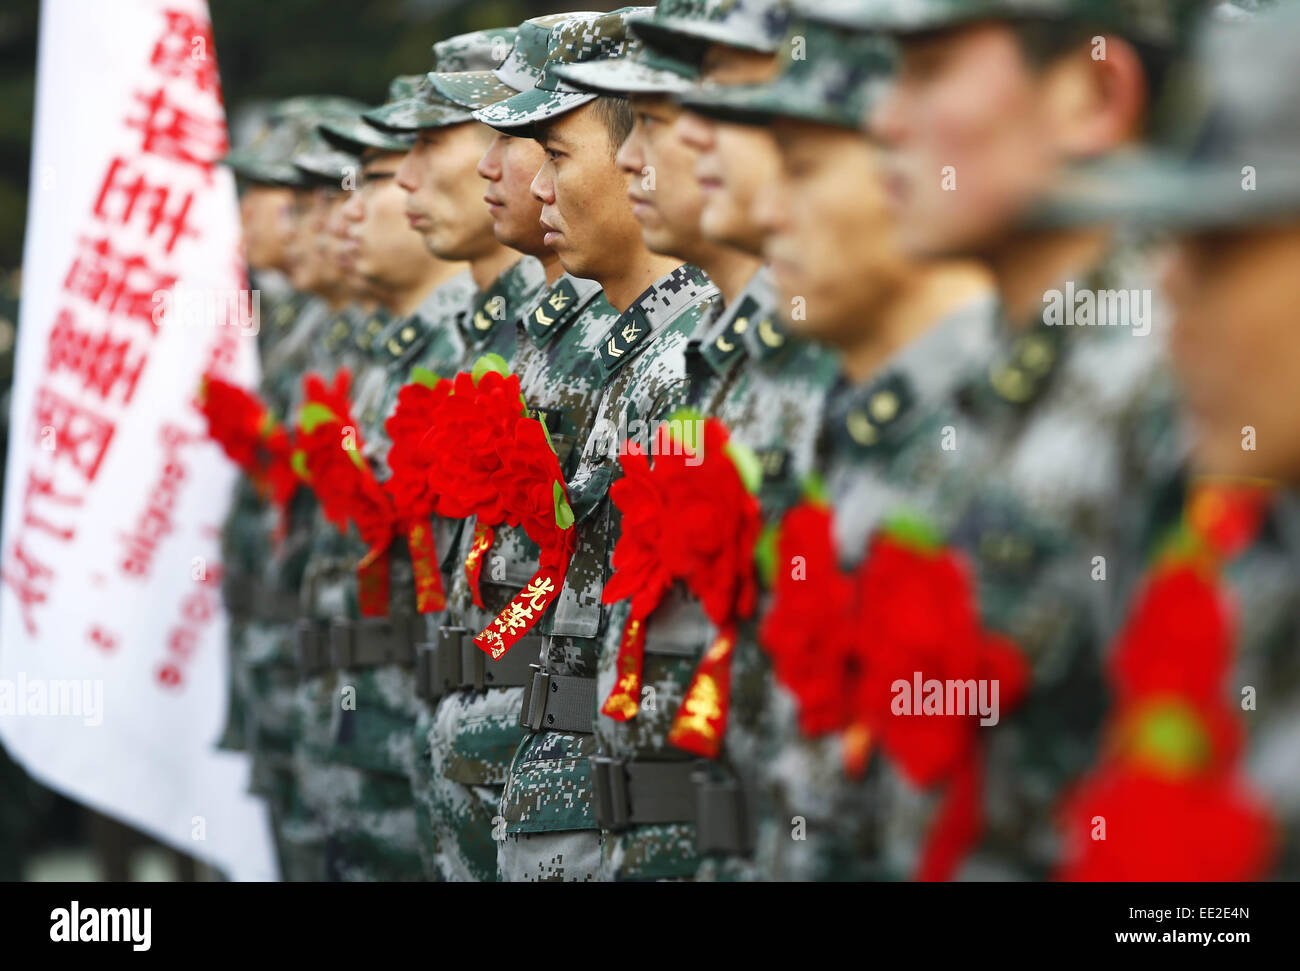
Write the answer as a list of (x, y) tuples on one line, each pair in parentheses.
[(1020, 444), (637, 371), (1232, 287), (648, 814), (263, 616)]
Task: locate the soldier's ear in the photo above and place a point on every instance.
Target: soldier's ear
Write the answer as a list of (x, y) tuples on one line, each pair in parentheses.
[(1096, 98)]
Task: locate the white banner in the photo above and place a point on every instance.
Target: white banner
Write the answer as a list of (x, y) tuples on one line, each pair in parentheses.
[(112, 635)]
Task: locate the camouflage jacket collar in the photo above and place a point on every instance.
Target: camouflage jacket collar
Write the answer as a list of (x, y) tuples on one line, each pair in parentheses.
[(862, 419), (367, 333), (728, 334), (658, 306), (556, 307), (499, 303), (1026, 357), (337, 334)]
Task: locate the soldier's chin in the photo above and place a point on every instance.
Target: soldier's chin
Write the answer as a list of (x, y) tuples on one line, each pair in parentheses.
[(1225, 451)]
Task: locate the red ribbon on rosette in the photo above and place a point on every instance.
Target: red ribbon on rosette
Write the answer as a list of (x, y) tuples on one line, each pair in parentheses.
[(465, 448), (693, 517), (251, 437), (840, 642), (1170, 769), (328, 456)]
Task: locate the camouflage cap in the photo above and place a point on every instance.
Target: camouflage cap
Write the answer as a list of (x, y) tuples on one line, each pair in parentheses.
[(481, 50), (646, 70), (595, 37), (323, 163), (354, 134), (1163, 22), (268, 158), (687, 31), (827, 75), (520, 71), (1236, 164)]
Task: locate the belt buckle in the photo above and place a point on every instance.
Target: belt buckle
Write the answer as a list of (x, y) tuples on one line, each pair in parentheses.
[(536, 692), (343, 643), (609, 793)]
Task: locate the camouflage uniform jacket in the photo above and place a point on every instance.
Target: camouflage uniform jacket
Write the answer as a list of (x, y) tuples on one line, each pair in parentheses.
[(642, 366), (768, 388)]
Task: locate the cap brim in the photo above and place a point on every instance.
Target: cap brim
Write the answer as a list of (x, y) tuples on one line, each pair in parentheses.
[(689, 40), (472, 89), (921, 16), (412, 114), (1165, 192), (623, 75), (532, 107), (246, 166), (355, 134)]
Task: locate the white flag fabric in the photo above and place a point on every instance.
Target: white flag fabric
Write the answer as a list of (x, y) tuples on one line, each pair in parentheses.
[(112, 634)]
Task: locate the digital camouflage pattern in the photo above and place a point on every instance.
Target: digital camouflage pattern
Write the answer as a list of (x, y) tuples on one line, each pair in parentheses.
[(645, 70), (769, 389), (268, 157), (825, 75), (520, 71), (549, 822), (687, 31), (425, 107), (354, 134), (592, 38)]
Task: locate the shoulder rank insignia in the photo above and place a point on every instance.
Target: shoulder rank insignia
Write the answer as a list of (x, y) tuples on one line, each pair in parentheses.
[(723, 348), (401, 341), (771, 336), (628, 331), (775, 463), (365, 335), (1021, 374), (869, 416), (339, 330), (490, 310), (554, 310)]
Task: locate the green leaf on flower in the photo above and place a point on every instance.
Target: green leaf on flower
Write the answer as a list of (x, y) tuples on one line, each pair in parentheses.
[(765, 554), (747, 465), (314, 414), (814, 490), (563, 511), (298, 460), (1171, 737), (422, 375), (490, 362), (914, 530)]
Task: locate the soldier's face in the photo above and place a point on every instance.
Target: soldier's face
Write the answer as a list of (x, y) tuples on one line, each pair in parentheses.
[(586, 216), (386, 251), (266, 213), (509, 166), (444, 193), (968, 125), (308, 269), (829, 230), (1234, 344), (733, 162), (666, 199)]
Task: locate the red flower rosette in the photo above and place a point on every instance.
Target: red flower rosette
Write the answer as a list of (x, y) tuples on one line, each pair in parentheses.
[(810, 628), (1167, 799), (687, 517), (329, 458), (416, 468), (250, 436)]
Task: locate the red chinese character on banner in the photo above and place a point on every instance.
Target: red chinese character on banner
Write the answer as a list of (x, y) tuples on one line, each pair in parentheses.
[(29, 580), (120, 283), (76, 434), (120, 193), (105, 364), (174, 133), (185, 51), (42, 487)]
